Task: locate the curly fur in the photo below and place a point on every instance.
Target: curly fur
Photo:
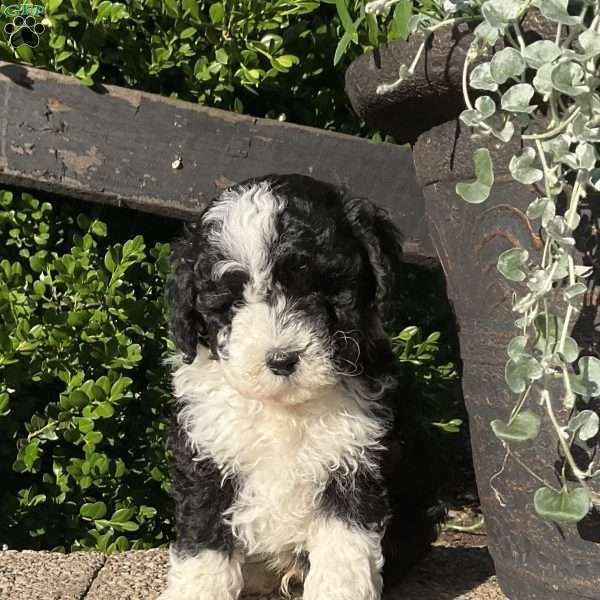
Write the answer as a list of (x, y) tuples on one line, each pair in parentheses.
[(289, 465)]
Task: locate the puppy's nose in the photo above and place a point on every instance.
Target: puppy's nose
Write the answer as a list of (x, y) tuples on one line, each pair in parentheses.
[(282, 363)]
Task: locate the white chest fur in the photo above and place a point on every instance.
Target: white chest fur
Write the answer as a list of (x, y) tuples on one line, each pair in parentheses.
[(282, 456)]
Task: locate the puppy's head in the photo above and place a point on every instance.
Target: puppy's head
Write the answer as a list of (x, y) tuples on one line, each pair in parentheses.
[(286, 282)]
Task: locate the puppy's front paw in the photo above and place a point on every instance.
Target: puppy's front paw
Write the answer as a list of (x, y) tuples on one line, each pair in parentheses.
[(345, 584), (350, 572), (207, 576)]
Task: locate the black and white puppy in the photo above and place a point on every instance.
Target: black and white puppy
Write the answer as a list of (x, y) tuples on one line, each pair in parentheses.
[(287, 393)]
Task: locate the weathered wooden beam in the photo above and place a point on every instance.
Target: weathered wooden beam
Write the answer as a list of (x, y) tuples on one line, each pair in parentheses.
[(118, 146)]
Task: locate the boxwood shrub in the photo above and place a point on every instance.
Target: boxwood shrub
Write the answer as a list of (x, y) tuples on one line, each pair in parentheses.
[(83, 393), (270, 58)]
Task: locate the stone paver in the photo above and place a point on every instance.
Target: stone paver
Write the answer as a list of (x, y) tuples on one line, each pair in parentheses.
[(142, 576), (448, 573), (451, 574), (31, 575)]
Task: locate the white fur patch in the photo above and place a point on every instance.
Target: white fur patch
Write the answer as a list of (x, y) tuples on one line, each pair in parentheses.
[(245, 230), (208, 576), (281, 454), (345, 562), (258, 328)]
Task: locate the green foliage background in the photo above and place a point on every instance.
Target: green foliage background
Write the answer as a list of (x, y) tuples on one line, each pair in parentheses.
[(282, 59), (84, 392), (269, 58)]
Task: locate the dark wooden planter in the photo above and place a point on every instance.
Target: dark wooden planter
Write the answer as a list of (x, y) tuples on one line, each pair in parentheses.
[(534, 559)]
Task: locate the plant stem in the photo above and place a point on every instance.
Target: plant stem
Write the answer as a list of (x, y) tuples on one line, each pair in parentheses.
[(545, 168), (468, 528), (465, 85), (520, 403), (520, 38), (561, 438), (551, 133), (529, 470), (43, 429), (565, 329)]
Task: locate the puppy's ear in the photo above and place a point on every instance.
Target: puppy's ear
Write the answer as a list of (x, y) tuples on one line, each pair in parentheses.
[(186, 323), (383, 244)]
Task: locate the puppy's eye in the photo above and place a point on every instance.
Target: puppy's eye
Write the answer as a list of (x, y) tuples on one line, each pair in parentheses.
[(293, 272)]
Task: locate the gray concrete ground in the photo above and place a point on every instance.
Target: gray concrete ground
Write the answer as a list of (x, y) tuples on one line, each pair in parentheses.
[(453, 571)]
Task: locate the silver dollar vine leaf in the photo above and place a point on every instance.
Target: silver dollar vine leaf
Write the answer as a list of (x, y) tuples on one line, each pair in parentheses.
[(547, 92)]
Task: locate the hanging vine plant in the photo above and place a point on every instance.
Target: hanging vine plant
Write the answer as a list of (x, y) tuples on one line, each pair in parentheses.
[(544, 94)]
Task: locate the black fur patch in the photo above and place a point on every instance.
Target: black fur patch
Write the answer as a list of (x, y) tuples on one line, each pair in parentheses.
[(200, 498)]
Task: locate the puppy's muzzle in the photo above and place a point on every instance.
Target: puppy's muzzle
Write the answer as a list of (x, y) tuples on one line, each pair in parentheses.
[(282, 363)]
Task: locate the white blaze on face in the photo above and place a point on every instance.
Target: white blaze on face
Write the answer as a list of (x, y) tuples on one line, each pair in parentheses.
[(245, 230)]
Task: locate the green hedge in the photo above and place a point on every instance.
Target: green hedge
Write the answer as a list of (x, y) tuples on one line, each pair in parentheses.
[(84, 390), (269, 58)]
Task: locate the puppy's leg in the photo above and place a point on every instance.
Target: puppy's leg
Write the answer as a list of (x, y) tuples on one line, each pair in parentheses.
[(203, 562), (345, 562), (210, 575)]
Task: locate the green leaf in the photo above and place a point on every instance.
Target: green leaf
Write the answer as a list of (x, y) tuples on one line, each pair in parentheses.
[(342, 47), (586, 424), (93, 510), (590, 42), (188, 32), (574, 293), (479, 190), (540, 53), (37, 262), (556, 10), (524, 427), (111, 259), (122, 514), (518, 373), (192, 7), (221, 56), (401, 19), (216, 12), (543, 79), (104, 410), (537, 208), (119, 387), (498, 13), (506, 64), (569, 78), (587, 383), (147, 512), (570, 350), (511, 263), (344, 15), (452, 426), (126, 526), (481, 78), (516, 98), (564, 506), (486, 34), (171, 7), (523, 168), (516, 347)]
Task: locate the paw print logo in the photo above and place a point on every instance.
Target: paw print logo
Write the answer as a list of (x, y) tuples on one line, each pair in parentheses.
[(24, 31)]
